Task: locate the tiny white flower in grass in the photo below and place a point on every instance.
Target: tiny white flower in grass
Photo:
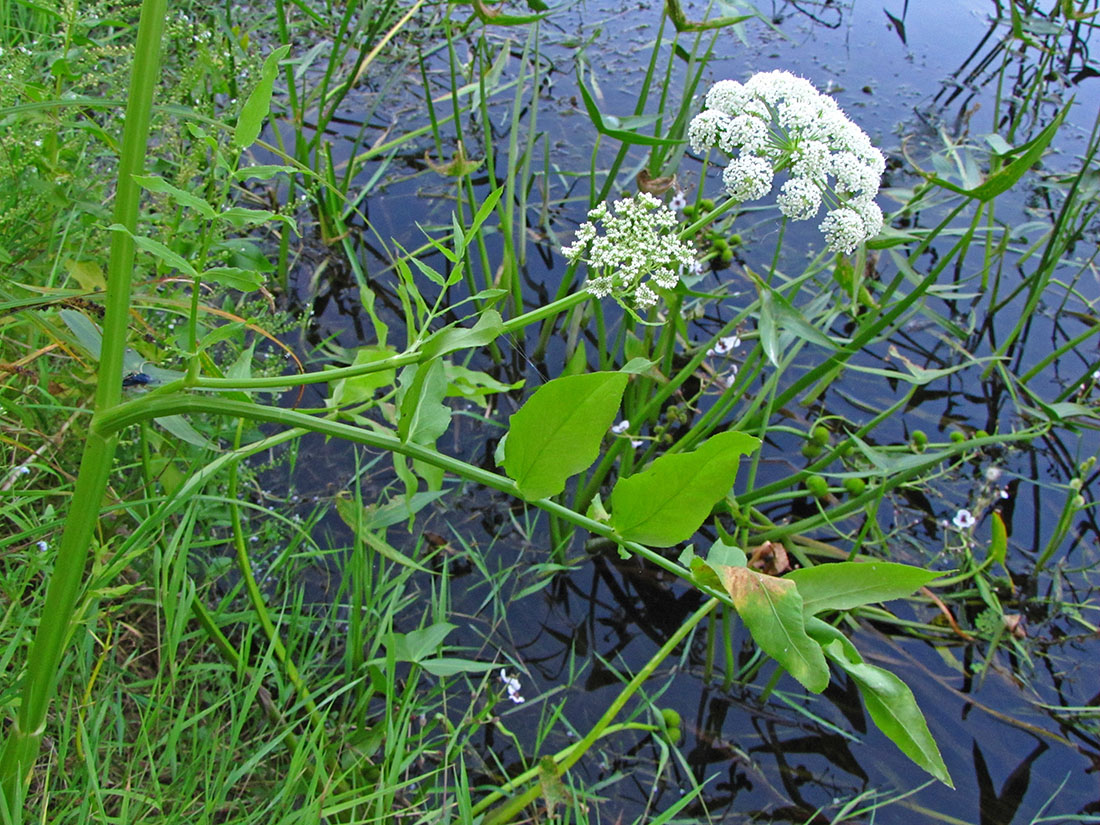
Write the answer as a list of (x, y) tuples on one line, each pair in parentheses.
[(639, 248), (964, 520), (42, 546), (724, 345), (511, 684)]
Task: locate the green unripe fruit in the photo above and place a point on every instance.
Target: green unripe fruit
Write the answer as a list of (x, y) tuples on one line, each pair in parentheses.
[(721, 245), (855, 486), (671, 718), (690, 211), (706, 204), (958, 437), (674, 735), (820, 435), (981, 434), (727, 256), (735, 240), (811, 449), (920, 440), (818, 487)]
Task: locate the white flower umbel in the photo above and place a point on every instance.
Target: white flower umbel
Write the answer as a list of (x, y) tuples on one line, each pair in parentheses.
[(777, 122), (639, 249)]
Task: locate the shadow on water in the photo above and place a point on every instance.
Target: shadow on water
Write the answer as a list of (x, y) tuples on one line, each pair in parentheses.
[(1013, 709)]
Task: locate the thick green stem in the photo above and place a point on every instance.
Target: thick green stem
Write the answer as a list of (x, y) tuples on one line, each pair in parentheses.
[(157, 406), (44, 660)]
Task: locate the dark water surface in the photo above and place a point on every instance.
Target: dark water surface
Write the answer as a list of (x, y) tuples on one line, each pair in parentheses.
[(908, 73)]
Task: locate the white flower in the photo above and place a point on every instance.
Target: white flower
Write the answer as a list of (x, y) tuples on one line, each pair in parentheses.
[(871, 215), (639, 242), (644, 297), (727, 97), (812, 160), (621, 427), (42, 546), (843, 229), (706, 129), (511, 684), (964, 519), (799, 199), (748, 177), (746, 132), (778, 122), (678, 202), (724, 345)]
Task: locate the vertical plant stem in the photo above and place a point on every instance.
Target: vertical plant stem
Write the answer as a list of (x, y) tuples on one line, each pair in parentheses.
[(44, 660)]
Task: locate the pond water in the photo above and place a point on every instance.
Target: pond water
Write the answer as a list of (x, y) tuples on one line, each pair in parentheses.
[(1019, 738)]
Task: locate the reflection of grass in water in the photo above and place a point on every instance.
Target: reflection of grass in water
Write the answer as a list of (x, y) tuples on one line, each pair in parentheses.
[(353, 699)]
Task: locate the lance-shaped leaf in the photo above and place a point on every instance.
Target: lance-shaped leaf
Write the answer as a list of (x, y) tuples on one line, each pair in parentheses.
[(1028, 154), (423, 417), (888, 699), (668, 501), (849, 584), (771, 608), (255, 108), (557, 433)]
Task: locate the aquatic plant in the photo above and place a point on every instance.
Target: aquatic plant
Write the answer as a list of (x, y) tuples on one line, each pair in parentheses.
[(365, 709)]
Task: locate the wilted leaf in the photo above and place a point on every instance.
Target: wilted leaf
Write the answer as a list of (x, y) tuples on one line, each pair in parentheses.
[(772, 611)]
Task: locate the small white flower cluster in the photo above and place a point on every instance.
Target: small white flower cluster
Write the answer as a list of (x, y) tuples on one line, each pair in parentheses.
[(778, 122), (639, 240), (511, 684)]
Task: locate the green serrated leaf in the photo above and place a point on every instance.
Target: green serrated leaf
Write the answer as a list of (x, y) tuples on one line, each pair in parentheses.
[(728, 555), (668, 501), (449, 666), (181, 428), (155, 183), (347, 391), (557, 433)]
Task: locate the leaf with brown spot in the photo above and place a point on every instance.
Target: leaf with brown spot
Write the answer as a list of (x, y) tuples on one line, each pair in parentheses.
[(772, 611)]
